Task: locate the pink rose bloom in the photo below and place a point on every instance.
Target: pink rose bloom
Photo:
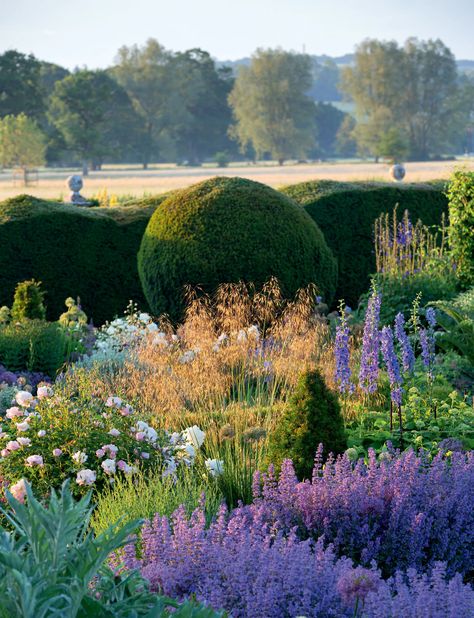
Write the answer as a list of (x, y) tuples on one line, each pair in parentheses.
[(43, 392), (126, 411), (41, 433), (114, 432), (113, 402), (34, 460), (86, 477), (4, 452), (57, 452), (13, 445), (23, 441), (12, 412), (22, 426), (121, 464), (145, 455), (140, 436), (18, 490), (100, 452)]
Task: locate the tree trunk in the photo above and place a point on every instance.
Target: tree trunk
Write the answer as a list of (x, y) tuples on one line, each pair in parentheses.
[(281, 161), (85, 169)]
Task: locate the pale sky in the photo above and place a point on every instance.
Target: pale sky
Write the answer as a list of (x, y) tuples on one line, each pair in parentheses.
[(89, 32)]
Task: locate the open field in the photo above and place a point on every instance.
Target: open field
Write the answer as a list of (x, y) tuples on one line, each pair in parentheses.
[(132, 180)]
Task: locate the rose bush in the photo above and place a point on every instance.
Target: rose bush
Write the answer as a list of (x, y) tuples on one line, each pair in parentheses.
[(54, 436)]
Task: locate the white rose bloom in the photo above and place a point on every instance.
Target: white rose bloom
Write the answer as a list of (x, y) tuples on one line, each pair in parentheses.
[(160, 339), (79, 457), (24, 441), (113, 402), (24, 398), (86, 477), (23, 426), (215, 466), (144, 317), (195, 436), (41, 433), (152, 327), (190, 450), (114, 432), (108, 466)]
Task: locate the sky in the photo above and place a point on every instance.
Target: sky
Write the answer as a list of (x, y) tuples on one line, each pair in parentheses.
[(89, 32)]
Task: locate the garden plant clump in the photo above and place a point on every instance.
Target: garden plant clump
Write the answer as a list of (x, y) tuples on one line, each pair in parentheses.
[(246, 445)]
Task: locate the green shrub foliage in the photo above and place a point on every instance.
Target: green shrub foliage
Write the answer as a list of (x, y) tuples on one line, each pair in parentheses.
[(311, 417), (461, 224), (226, 230), (28, 302), (345, 213), (33, 345), (74, 251)]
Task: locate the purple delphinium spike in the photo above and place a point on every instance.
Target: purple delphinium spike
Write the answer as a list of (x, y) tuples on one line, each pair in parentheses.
[(430, 315), (369, 362), (391, 362), (342, 357), (427, 349), (408, 356)]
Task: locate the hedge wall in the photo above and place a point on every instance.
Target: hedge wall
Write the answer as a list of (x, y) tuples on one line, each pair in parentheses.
[(224, 230), (345, 213), (74, 251)]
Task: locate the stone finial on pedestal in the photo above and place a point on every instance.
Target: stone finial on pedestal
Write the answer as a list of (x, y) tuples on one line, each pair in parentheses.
[(397, 172), (75, 184)]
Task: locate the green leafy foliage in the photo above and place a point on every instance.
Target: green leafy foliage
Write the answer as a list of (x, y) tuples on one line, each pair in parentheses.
[(460, 193), (93, 254), (427, 421), (458, 330), (28, 302), (346, 212), (227, 230), (312, 416), (34, 345)]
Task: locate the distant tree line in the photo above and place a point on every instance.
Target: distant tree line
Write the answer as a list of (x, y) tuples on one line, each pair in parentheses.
[(156, 105)]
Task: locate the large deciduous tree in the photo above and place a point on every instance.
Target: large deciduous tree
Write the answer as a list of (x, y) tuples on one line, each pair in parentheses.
[(146, 75), (200, 130), (90, 109), (22, 143), (406, 97), (272, 110), (20, 85)]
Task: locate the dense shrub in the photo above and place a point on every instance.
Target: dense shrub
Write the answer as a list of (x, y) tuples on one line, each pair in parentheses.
[(346, 217), (312, 416), (461, 224), (225, 230), (33, 345), (28, 302), (74, 251)]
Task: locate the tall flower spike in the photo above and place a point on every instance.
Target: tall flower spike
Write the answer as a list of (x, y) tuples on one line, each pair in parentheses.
[(393, 367), (408, 356), (369, 363), (342, 356)]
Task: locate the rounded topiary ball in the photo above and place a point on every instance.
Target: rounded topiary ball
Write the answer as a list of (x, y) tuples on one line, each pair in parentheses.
[(226, 230)]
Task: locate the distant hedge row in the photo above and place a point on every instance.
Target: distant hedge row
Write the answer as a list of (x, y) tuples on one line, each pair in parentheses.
[(92, 252), (345, 213), (74, 251)]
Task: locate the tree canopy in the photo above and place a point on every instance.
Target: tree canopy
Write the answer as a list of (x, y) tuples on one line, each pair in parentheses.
[(272, 111)]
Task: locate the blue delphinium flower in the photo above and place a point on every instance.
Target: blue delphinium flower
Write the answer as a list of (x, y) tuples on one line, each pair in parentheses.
[(342, 356), (393, 367), (408, 355), (369, 362)]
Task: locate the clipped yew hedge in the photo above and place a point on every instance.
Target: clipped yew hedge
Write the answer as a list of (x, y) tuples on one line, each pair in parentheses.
[(74, 251), (345, 213), (226, 230)]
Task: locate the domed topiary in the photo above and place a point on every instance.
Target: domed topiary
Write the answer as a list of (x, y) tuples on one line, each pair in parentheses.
[(226, 230), (311, 417)]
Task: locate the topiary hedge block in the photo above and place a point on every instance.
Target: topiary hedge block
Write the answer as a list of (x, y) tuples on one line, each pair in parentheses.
[(346, 212), (73, 251), (226, 230)]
